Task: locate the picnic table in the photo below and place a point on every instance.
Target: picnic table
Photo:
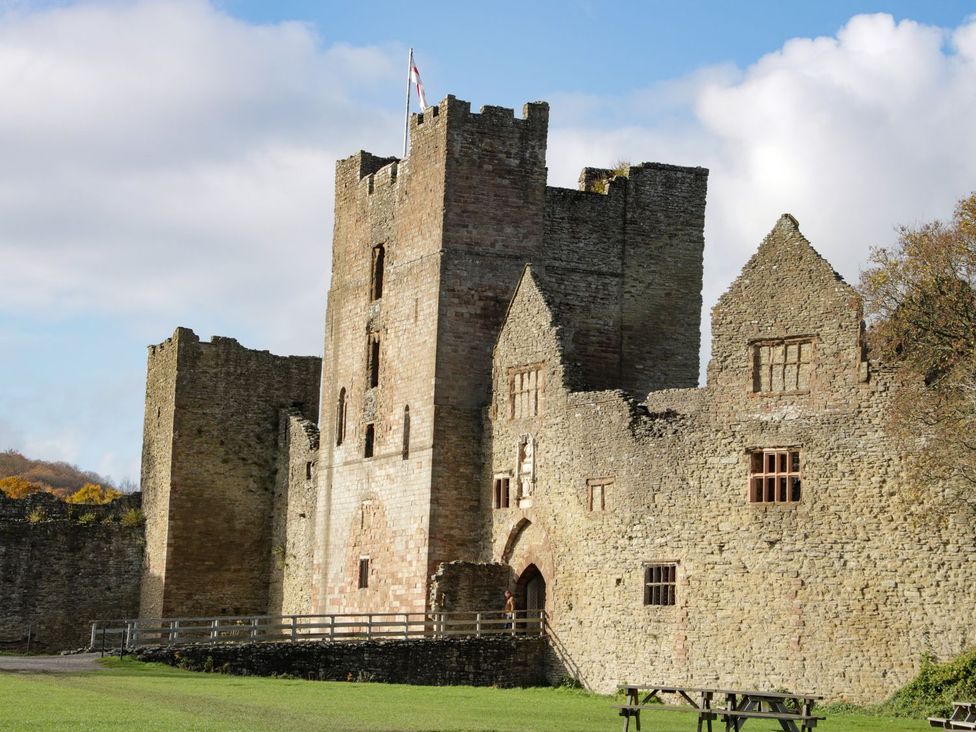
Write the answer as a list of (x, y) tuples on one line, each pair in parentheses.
[(794, 712), (963, 717)]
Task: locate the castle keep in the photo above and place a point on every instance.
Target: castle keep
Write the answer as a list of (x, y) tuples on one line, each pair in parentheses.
[(508, 400)]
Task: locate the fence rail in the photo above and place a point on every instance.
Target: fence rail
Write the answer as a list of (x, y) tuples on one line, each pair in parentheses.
[(132, 633)]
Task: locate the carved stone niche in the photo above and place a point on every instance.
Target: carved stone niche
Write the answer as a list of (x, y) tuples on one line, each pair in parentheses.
[(525, 470)]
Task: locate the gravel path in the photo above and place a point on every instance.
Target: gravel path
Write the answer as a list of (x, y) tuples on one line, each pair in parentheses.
[(49, 664)]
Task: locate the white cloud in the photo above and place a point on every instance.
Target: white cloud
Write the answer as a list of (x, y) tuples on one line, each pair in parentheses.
[(853, 134), (165, 157)]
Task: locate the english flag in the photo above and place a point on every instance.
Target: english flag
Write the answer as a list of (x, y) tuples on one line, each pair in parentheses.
[(415, 80)]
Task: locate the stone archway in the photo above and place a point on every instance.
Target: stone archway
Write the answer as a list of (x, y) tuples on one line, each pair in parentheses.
[(530, 589)]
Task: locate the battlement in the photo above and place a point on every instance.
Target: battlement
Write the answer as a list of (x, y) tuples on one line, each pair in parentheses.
[(534, 114)]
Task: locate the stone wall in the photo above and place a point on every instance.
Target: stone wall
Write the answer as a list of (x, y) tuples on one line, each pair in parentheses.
[(840, 593), (293, 518), (58, 574), (212, 431), (470, 586), (502, 661)]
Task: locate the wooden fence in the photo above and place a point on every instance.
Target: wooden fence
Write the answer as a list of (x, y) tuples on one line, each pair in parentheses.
[(132, 633)]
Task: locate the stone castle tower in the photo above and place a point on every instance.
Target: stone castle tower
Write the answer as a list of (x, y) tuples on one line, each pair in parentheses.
[(427, 253)]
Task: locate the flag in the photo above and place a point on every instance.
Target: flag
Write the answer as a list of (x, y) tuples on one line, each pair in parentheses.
[(415, 79)]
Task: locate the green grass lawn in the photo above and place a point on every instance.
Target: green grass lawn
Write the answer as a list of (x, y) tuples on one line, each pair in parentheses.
[(135, 696)]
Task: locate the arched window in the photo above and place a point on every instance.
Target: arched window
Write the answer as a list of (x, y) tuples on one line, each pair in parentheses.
[(376, 278), (340, 431), (406, 432)]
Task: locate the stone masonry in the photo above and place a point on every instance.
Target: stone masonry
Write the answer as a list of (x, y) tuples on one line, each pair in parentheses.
[(509, 400)]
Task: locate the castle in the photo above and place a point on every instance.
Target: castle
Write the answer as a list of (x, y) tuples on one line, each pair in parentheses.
[(509, 399)]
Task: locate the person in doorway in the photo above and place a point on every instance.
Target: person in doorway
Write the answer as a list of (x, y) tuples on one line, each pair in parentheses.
[(510, 609)]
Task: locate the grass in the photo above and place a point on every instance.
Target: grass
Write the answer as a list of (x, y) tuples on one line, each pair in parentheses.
[(132, 695)]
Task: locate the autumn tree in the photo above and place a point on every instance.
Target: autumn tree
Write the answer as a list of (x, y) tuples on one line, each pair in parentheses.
[(93, 493), (16, 487), (920, 298)]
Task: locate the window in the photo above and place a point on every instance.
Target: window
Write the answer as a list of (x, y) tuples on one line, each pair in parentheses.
[(368, 442), (782, 365), (774, 476), (376, 276), (597, 493), (660, 581), (308, 471), (524, 384), (373, 360), (499, 492), (363, 573), (340, 417), (405, 455)]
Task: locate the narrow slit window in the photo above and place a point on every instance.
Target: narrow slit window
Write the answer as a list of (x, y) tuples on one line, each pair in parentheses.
[(363, 573), (660, 583), (369, 440), (373, 361), (774, 476), (376, 276), (340, 417), (405, 453)]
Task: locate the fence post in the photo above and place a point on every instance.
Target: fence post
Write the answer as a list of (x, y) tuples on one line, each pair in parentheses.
[(174, 631), (477, 625), (94, 635), (294, 628), (134, 634), (406, 626), (254, 628), (369, 626), (215, 629), (332, 627)]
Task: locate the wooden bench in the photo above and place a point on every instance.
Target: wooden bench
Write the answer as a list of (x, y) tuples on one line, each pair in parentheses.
[(792, 711), (963, 717)]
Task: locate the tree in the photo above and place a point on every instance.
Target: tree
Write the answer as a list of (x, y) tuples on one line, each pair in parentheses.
[(93, 493), (920, 297)]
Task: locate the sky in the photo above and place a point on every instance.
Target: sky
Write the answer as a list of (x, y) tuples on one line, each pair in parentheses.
[(169, 163)]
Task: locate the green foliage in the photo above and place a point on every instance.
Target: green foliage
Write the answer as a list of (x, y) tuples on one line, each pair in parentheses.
[(920, 297), (87, 518), (93, 493), (133, 517), (936, 686)]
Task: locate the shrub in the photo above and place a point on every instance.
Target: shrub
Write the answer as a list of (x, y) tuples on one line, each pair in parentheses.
[(936, 686), (93, 493), (87, 518), (132, 517), (16, 487), (36, 516)]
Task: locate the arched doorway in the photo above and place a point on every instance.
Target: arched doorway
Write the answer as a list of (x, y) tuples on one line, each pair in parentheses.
[(530, 590)]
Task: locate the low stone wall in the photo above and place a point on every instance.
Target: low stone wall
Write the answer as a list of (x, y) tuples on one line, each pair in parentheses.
[(60, 568), (495, 661), (470, 586)]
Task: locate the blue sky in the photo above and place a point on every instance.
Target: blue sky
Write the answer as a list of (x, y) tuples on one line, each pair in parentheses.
[(170, 163)]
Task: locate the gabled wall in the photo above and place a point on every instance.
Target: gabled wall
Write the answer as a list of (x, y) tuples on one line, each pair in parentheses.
[(840, 593)]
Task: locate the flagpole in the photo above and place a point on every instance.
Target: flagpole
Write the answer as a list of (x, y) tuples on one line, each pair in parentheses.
[(406, 119)]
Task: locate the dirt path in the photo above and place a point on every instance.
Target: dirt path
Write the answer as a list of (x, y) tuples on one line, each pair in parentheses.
[(49, 664)]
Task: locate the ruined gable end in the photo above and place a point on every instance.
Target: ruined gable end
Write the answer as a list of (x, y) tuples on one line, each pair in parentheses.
[(788, 324)]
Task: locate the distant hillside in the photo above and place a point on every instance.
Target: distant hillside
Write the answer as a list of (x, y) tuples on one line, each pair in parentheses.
[(62, 479)]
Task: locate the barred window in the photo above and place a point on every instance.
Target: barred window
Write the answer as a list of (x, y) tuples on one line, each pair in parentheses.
[(774, 476), (782, 365), (660, 581), (500, 492), (524, 385)]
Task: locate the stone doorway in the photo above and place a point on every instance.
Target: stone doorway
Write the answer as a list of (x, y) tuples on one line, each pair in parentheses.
[(530, 590)]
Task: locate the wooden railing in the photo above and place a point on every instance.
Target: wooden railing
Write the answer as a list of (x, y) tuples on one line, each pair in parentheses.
[(131, 633)]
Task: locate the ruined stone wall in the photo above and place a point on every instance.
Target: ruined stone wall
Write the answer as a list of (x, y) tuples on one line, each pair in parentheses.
[(293, 518), (470, 586), (59, 571), (840, 593), (223, 458)]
